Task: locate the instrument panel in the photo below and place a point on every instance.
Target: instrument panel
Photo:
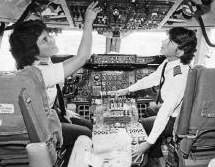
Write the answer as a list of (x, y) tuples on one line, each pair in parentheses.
[(113, 59), (105, 73), (103, 82), (108, 59)]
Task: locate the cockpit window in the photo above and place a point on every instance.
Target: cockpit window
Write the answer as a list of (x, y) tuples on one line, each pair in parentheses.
[(7, 63), (142, 43), (68, 42)]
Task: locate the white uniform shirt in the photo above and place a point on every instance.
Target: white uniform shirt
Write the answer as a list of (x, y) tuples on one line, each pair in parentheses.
[(172, 93), (52, 75)]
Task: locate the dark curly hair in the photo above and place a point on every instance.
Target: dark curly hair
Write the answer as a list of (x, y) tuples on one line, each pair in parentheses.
[(23, 40), (187, 41)]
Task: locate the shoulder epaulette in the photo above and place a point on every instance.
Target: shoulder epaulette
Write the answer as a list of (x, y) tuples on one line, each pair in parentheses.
[(177, 70)]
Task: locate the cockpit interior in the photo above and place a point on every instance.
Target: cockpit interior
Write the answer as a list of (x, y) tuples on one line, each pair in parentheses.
[(122, 54)]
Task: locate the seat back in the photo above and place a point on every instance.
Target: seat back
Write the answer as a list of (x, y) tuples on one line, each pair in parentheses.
[(25, 116), (195, 131)]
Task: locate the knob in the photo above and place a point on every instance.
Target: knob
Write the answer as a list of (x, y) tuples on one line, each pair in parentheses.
[(96, 77)]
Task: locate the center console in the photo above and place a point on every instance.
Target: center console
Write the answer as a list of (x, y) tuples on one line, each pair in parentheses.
[(117, 132)]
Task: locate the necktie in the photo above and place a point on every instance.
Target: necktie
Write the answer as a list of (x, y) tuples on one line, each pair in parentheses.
[(162, 79), (60, 100)]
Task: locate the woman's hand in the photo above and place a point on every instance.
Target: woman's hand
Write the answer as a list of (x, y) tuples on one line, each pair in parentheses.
[(143, 147), (72, 114), (92, 12), (121, 92)]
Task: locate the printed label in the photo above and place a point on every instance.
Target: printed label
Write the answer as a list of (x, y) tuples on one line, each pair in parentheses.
[(6, 108)]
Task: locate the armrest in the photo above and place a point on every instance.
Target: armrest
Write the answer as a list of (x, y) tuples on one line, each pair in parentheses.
[(38, 155)]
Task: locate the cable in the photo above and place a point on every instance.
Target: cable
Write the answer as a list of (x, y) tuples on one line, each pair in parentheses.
[(201, 10), (2, 27), (31, 7), (200, 21)]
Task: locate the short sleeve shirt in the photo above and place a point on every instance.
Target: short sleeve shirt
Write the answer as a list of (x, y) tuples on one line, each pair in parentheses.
[(52, 75)]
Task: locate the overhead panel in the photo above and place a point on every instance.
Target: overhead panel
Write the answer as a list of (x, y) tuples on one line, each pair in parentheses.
[(55, 13), (120, 16), (117, 17)]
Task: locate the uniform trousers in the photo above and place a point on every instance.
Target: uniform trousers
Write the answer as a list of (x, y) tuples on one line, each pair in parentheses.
[(155, 150), (71, 131)]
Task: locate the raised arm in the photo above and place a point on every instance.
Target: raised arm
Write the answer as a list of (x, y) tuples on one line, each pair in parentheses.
[(84, 51)]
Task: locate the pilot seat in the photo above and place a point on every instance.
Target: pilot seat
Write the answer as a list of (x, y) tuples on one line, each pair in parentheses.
[(193, 143)]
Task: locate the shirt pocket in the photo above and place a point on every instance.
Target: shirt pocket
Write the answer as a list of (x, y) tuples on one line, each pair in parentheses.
[(208, 109)]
